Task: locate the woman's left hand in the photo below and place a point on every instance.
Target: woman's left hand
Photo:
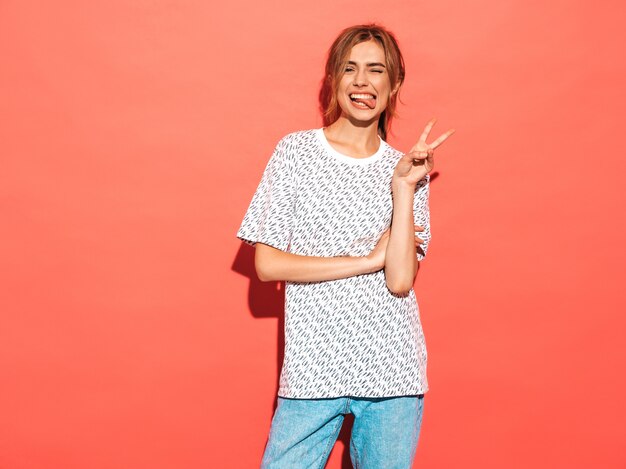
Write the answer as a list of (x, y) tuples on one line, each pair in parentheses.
[(418, 162)]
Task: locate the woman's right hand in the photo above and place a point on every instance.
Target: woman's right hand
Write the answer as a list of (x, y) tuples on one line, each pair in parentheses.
[(377, 256)]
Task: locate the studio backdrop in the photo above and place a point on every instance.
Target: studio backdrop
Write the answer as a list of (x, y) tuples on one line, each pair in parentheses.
[(134, 333)]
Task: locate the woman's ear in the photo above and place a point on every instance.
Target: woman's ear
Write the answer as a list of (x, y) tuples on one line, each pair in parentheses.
[(395, 89)]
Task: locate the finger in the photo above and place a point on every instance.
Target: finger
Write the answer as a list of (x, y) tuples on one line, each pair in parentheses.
[(426, 131), (431, 156), (419, 240), (418, 155), (415, 159), (418, 228), (422, 151), (441, 139)]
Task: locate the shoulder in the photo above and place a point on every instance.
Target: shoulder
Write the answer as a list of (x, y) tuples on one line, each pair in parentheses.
[(297, 145), (392, 153), (392, 150), (292, 147), (298, 138)]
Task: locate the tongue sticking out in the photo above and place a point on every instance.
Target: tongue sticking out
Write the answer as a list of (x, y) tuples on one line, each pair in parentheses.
[(369, 102)]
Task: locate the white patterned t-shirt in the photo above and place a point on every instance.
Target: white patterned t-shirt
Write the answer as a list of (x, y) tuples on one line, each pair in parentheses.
[(347, 337)]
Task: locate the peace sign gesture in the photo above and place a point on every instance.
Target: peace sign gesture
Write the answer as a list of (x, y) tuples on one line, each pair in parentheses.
[(420, 161)]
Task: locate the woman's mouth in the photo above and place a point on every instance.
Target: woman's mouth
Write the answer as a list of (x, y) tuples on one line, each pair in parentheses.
[(363, 100)]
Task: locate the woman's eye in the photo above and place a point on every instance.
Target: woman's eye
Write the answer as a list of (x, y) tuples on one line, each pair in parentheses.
[(377, 71), (349, 69)]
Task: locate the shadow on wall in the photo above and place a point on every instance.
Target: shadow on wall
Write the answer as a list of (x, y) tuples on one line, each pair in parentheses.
[(266, 300)]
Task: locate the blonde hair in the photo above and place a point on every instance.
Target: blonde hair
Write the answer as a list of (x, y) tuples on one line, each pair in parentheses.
[(338, 55)]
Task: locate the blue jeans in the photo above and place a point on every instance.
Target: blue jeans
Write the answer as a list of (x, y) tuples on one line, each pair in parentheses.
[(384, 433)]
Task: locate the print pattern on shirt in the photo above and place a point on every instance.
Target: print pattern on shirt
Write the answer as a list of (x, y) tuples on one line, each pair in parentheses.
[(347, 337)]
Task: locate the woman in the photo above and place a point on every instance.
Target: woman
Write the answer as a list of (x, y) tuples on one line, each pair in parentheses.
[(321, 220)]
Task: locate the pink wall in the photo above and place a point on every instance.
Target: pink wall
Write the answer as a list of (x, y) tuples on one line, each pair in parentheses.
[(133, 333)]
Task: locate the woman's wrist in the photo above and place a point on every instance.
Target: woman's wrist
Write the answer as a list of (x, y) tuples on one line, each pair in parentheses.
[(371, 264), (401, 187)]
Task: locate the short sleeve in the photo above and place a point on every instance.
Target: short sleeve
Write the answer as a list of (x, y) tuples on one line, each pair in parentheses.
[(421, 214), (269, 217)]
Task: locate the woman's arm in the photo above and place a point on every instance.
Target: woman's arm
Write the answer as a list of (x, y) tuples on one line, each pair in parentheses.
[(275, 265), (401, 263)]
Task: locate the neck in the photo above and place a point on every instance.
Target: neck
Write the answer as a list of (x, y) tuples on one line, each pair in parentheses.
[(359, 138)]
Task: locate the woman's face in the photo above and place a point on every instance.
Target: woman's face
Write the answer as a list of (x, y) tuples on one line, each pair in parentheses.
[(364, 88)]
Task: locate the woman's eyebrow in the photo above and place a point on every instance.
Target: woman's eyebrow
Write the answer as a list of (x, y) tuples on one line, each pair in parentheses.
[(369, 64)]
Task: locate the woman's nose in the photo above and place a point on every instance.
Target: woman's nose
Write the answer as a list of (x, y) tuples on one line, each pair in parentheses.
[(360, 78)]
